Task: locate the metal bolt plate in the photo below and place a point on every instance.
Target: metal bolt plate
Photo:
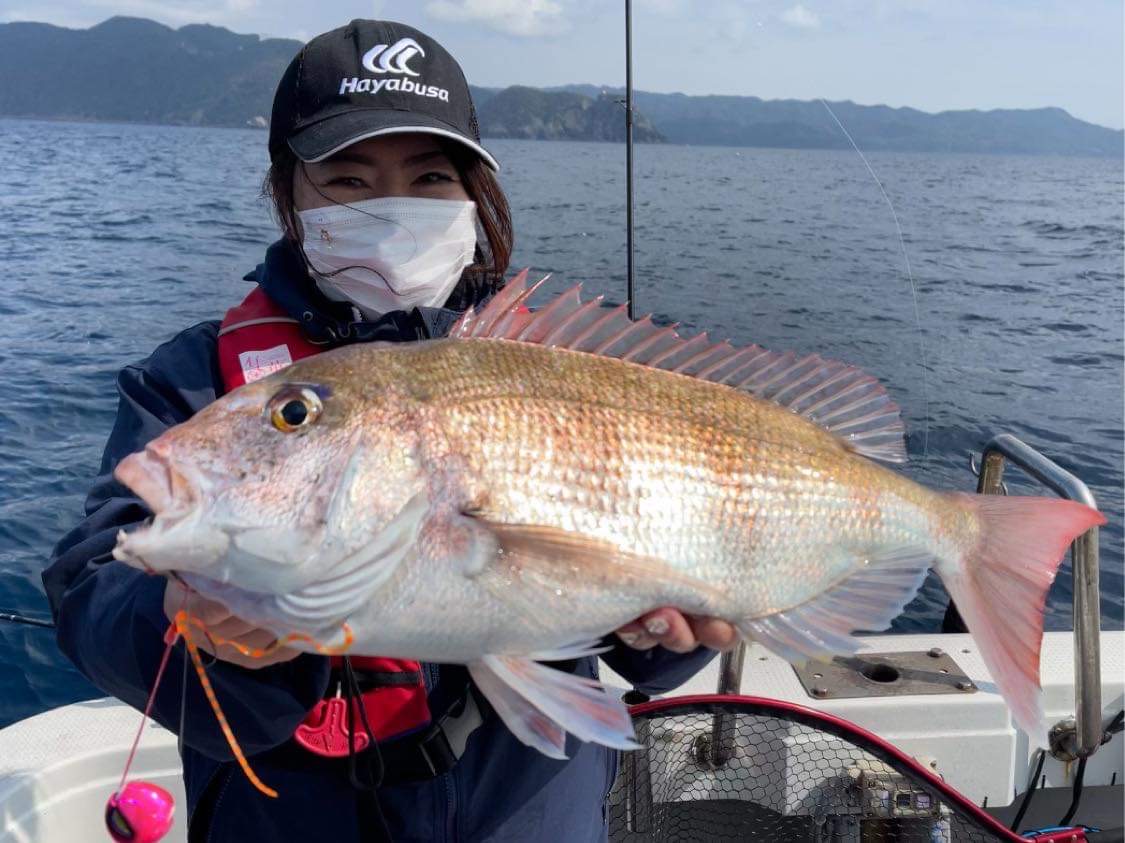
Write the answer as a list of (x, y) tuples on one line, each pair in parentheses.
[(884, 675)]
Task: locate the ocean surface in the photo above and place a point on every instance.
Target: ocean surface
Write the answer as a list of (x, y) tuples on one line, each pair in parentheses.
[(115, 237)]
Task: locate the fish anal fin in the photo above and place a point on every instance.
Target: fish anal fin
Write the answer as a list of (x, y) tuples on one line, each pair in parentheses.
[(868, 599), (842, 399), (530, 725), (539, 704)]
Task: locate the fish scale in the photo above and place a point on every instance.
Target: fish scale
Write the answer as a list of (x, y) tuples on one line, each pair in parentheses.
[(716, 481)]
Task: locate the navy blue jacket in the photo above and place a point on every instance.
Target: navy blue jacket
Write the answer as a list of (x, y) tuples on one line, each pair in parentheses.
[(111, 622)]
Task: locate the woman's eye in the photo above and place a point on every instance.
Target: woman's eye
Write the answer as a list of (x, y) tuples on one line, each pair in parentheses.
[(346, 181), (435, 177)]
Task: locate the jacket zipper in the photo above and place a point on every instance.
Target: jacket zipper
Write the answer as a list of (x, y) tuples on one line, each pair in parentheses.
[(213, 820), (451, 808), (445, 826), (613, 768)]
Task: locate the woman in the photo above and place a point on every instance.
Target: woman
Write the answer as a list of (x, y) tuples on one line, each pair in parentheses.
[(382, 189)]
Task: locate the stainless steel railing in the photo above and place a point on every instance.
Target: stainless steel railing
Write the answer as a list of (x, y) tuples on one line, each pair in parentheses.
[(722, 728), (1084, 561)]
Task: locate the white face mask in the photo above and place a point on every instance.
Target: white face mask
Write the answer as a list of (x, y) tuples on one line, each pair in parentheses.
[(390, 254)]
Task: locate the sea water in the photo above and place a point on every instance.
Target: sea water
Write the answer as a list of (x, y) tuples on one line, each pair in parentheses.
[(115, 237)]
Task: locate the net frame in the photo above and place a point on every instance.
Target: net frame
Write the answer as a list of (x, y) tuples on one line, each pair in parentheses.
[(722, 712)]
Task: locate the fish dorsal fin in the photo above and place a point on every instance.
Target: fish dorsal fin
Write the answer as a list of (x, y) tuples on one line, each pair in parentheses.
[(839, 397)]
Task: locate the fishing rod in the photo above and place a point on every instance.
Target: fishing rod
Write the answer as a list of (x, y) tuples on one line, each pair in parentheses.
[(629, 158), (12, 617)]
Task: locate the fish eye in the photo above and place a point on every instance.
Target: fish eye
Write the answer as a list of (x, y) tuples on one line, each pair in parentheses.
[(294, 412), (294, 408)]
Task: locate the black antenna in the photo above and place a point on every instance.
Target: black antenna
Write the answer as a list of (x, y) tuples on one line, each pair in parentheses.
[(629, 156)]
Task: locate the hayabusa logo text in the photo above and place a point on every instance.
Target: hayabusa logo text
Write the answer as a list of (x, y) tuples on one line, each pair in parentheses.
[(355, 85), (393, 59)]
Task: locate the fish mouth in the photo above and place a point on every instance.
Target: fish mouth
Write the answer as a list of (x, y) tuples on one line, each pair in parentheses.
[(163, 489)]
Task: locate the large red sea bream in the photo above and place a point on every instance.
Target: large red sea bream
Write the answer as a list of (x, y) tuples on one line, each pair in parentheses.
[(515, 492)]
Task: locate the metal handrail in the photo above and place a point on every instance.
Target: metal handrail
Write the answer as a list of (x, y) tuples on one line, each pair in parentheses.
[(1087, 610), (1084, 560), (722, 726)]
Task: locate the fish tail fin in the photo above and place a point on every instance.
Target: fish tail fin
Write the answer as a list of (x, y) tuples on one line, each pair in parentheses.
[(1001, 587)]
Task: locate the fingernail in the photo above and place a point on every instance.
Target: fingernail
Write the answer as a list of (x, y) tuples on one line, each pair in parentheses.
[(657, 626), (629, 638)]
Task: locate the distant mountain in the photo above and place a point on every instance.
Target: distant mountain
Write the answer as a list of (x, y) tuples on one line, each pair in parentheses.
[(519, 112), (132, 69), (750, 121)]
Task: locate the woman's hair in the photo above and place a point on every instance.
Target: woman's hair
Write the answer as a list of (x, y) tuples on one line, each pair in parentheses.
[(485, 275)]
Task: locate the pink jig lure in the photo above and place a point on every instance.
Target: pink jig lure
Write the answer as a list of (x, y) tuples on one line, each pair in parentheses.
[(140, 812)]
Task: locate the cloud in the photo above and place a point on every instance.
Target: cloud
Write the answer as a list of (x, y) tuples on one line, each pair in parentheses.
[(514, 17), (800, 17)]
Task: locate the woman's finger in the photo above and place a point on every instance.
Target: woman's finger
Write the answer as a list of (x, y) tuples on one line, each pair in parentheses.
[(670, 629), (678, 632), (714, 633), (230, 628), (177, 598), (208, 612), (634, 635), (281, 654), (252, 639), (256, 639)]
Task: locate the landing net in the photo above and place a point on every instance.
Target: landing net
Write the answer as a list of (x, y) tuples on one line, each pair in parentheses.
[(732, 768)]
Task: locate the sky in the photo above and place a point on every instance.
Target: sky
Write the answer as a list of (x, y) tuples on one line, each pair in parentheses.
[(928, 54)]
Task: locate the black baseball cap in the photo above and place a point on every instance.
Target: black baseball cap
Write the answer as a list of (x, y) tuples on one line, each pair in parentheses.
[(366, 79)]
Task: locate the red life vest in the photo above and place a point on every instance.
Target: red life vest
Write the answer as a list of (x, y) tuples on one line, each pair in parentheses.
[(256, 339)]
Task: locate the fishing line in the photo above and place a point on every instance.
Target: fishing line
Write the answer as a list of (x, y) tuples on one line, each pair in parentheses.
[(909, 277), (170, 638), (183, 709)]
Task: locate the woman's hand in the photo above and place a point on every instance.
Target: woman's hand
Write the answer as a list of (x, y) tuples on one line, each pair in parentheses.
[(678, 632), (222, 625)]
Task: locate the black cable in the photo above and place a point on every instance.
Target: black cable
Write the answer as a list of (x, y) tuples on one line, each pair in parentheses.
[(353, 698), (1078, 777), (1116, 725), (352, 691), (1032, 784), (12, 617)]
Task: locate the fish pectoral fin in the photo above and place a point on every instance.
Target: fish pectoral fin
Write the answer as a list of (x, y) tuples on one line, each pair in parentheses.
[(869, 599), (540, 704), (557, 559)]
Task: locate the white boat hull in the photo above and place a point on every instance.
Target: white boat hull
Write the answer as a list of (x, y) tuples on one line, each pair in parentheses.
[(57, 769)]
